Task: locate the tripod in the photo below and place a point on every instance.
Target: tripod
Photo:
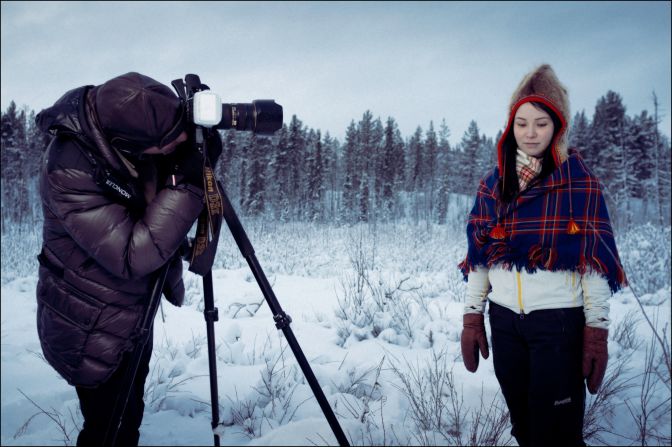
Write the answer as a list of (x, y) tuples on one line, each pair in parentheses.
[(282, 322), (202, 257)]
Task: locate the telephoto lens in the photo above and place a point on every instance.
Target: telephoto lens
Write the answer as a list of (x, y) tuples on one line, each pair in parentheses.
[(263, 116)]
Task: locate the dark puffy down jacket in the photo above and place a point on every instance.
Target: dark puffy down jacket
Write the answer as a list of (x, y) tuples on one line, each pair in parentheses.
[(99, 258)]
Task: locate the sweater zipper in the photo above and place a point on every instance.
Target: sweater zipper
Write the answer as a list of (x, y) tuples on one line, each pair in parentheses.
[(520, 295)]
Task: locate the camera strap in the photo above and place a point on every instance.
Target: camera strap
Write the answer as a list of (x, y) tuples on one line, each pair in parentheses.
[(209, 225), (116, 187)]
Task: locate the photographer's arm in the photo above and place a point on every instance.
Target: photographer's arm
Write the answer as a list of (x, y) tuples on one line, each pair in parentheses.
[(107, 231)]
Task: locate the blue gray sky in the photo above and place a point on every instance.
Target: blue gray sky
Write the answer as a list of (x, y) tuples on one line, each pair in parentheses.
[(329, 62)]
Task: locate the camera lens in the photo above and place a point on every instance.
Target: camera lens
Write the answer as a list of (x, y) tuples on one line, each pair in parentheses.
[(268, 116), (237, 116), (263, 116)]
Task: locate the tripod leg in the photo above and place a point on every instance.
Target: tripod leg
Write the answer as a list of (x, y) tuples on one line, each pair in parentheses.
[(146, 326), (282, 320), (211, 315)]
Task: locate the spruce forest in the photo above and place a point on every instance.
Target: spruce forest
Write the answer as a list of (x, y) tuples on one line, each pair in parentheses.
[(379, 175)]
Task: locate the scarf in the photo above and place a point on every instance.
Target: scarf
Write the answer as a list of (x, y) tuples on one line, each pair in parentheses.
[(556, 224), (527, 168)]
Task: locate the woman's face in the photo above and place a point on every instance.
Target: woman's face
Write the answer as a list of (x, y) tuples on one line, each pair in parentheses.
[(533, 130)]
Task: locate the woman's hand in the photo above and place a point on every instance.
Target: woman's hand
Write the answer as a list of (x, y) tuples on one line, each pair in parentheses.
[(595, 356), (473, 338)]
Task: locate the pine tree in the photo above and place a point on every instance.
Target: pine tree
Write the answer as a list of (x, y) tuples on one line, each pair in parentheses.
[(471, 157), (579, 137), (606, 153), (664, 179), (258, 148), (15, 200), (390, 165), (416, 150), (280, 170), (415, 184), (444, 173), (332, 171), (661, 166), (352, 178), (297, 155), (429, 167), (316, 184), (365, 156), (224, 168)]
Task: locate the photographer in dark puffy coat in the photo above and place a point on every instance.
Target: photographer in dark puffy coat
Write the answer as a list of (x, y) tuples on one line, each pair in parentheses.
[(119, 194)]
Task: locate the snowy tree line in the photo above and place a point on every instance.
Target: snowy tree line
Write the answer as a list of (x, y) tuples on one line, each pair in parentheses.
[(378, 175)]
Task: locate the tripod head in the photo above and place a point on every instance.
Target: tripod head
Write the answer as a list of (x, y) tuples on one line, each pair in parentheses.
[(205, 114)]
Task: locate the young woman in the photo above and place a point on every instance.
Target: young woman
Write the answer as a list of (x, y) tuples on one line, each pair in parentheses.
[(541, 250)]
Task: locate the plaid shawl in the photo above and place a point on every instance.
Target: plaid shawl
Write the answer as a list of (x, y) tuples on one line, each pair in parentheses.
[(541, 226)]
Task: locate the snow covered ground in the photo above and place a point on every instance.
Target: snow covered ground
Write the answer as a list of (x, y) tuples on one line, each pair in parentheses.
[(377, 312)]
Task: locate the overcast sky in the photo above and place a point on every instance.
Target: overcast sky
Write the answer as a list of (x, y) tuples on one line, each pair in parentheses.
[(328, 62)]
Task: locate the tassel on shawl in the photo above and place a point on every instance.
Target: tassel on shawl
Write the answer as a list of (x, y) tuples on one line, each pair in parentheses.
[(572, 227), (498, 232)]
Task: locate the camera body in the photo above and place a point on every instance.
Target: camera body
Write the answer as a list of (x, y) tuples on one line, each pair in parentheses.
[(205, 109)]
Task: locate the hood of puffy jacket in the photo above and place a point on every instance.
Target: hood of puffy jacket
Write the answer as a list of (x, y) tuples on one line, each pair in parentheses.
[(66, 115), (132, 111), (135, 112), (71, 116), (541, 85)]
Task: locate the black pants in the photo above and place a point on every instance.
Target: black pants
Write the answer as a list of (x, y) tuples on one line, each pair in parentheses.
[(537, 360), (97, 404)]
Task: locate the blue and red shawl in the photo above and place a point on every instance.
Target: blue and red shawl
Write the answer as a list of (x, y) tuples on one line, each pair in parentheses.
[(558, 223)]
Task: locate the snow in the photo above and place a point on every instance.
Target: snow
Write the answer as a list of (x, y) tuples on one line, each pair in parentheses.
[(264, 398)]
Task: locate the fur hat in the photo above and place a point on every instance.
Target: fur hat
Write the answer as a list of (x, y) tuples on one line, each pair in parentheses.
[(541, 85)]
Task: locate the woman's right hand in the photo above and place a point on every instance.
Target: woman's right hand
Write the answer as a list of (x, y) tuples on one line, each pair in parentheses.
[(473, 338)]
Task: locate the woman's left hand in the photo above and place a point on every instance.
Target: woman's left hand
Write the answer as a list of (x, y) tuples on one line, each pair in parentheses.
[(595, 356)]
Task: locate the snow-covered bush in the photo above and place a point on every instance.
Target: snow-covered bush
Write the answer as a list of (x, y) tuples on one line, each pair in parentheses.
[(645, 253), (372, 305), (273, 401)]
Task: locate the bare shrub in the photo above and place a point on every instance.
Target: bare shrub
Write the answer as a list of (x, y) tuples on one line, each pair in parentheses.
[(651, 413), (437, 407), (245, 414), (161, 385), (56, 417), (625, 332), (193, 347), (272, 402), (601, 407), (369, 303)]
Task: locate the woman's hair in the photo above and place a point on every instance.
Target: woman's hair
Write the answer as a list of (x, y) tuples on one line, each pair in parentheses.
[(509, 178)]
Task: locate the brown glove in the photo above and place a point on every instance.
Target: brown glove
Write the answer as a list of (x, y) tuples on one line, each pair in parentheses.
[(173, 288), (595, 356), (473, 338)]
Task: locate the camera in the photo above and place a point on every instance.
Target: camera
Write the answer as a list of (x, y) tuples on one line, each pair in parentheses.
[(262, 116), (204, 108)]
